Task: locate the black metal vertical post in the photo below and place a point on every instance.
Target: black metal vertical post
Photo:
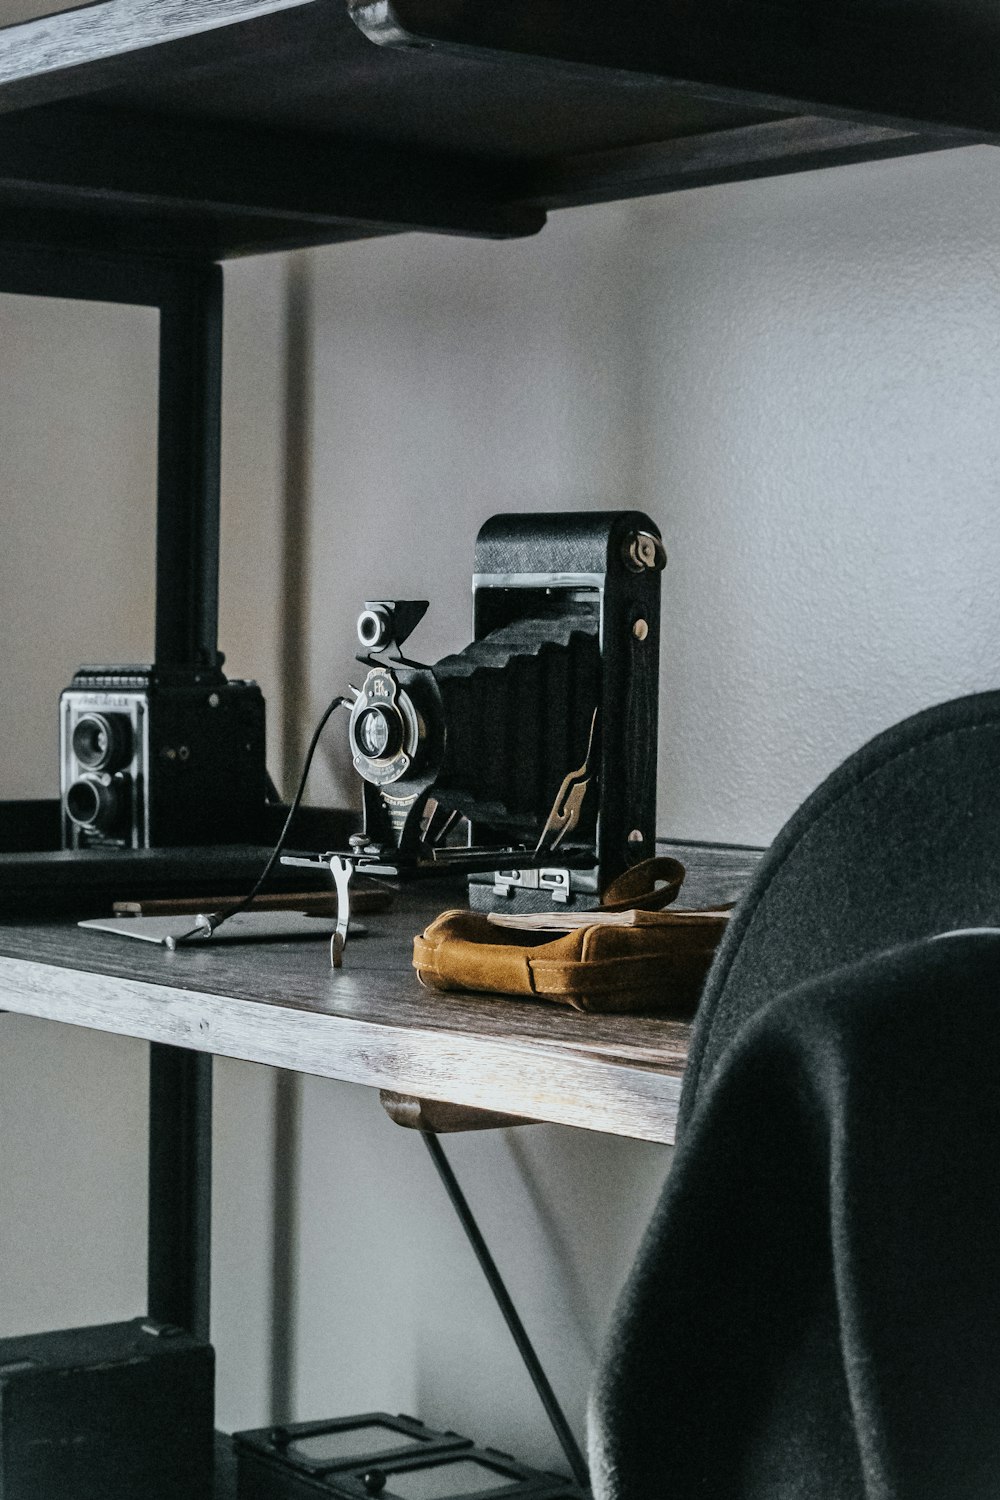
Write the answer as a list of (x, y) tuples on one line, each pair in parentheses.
[(189, 299), (187, 524), (180, 1187), (187, 625)]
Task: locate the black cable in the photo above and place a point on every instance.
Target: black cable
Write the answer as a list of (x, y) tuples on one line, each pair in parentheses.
[(215, 919), (488, 1265)]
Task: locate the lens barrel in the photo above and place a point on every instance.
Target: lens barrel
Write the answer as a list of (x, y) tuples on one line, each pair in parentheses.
[(103, 742), (94, 803), (379, 733), (374, 627)]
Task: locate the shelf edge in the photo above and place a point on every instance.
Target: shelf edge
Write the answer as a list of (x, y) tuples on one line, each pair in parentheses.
[(555, 1082)]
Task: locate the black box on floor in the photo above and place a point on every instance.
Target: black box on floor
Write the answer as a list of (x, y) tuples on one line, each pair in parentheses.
[(123, 1411), (385, 1458)]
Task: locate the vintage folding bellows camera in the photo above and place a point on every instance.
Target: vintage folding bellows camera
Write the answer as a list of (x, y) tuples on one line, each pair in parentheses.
[(541, 733), (155, 757), (376, 1455)]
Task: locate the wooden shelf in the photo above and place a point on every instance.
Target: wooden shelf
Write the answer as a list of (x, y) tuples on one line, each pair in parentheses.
[(227, 127), (371, 1022)]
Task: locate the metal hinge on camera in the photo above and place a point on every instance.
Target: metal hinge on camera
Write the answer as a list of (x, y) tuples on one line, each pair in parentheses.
[(556, 882)]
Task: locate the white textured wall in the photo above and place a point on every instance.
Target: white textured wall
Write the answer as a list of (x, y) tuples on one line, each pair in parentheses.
[(77, 486), (798, 379), (77, 451)]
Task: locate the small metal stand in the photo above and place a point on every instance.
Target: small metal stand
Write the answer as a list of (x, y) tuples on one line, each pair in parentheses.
[(342, 869)]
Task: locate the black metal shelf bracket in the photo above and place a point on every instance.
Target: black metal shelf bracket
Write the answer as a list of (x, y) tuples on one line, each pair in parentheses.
[(518, 1332)]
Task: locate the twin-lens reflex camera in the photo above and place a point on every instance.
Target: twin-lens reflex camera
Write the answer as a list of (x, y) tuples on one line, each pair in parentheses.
[(155, 758)]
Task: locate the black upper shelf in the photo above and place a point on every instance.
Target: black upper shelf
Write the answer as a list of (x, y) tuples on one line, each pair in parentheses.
[(226, 127)]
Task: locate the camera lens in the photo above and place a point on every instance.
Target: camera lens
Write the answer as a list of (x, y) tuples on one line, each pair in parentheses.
[(374, 628), (103, 742), (379, 733), (91, 804)]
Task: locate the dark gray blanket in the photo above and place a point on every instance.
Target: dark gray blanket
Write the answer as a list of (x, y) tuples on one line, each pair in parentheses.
[(815, 1311)]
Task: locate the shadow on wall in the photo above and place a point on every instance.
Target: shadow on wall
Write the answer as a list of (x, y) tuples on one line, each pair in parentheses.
[(789, 377), (453, 380), (78, 389), (376, 1298), (391, 1310)]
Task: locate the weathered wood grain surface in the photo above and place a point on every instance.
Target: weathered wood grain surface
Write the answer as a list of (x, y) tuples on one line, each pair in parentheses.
[(66, 38), (371, 1022)]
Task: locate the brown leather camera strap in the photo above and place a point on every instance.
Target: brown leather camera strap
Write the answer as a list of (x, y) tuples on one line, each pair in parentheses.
[(649, 886)]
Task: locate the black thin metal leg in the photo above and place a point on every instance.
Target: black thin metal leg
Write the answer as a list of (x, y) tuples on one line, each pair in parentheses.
[(180, 1187), (525, 1348)]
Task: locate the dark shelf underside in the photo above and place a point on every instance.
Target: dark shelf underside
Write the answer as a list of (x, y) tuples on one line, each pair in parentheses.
[(280, 127)]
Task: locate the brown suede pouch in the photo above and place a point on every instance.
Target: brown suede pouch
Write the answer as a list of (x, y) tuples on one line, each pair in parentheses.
[(656, 963)]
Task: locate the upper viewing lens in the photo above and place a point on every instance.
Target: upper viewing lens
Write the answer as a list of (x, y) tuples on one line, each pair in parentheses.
[(103, 743)]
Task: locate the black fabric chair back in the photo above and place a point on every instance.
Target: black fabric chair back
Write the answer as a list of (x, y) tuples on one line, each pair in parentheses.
[(901, 841), (814, 1311)]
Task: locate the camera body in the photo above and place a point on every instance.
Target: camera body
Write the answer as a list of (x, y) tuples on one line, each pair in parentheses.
[(541, 733), (153, 758)]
